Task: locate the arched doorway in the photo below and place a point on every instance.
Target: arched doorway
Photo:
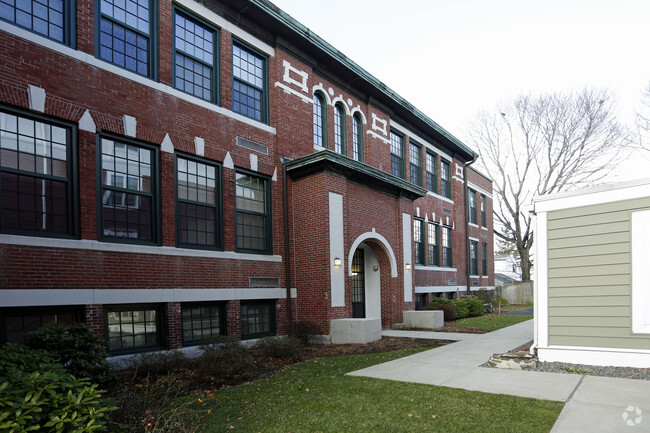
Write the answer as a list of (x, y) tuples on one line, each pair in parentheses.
[(366, 284)]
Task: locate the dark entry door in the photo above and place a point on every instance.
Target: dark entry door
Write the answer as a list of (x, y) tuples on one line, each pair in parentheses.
[(358, 286)]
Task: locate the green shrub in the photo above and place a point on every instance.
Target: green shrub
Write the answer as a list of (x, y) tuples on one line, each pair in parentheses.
[(448, 310), (304, 330), (226, 359), (485, 295), (462, 308), (281, 347), (153, 405), (476, 307), (438, 301), (81, 352), (157, 363), (38, 394), (502, 300)]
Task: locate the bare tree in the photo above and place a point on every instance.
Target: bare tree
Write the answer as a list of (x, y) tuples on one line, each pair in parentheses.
[(643, 119), (539, 145)]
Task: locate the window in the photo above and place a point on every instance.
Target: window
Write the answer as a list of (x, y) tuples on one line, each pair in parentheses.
[(396, 154), (434, 252), (128, 191), (446, 247), (415, 164), (484, 263), (357, 138), (418, 242), (471, 208), (253, 213), (133, 328), (257, 319), (16, 322), (37, 176), (125, 34), (445, 181), (51, 19), (473, 258), (432, 185), (320, 121), (195, 46), (249, 83), (202, 320), (483, 214), (339, 129), (198, 219)]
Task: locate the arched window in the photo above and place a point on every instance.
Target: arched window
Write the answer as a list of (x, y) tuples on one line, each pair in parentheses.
[(339, 129), (357, 137), (320, 121)]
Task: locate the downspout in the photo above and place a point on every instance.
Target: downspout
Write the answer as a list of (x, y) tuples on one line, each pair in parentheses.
[(287, 254), (467, 249)]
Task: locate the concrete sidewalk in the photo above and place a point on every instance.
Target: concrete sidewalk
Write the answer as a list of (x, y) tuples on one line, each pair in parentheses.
[(592, 404)]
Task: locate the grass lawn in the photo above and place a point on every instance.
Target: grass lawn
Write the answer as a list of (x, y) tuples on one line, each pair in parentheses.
[(316, 396), (492, 322), (511, 307)]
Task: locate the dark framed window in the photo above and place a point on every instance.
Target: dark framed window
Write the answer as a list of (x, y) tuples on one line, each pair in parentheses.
[(432, 184), (445, 179), (447, 252), (128, 191), (339, 129), (257, 319), (125, 34), (396, 154), (52, 19), (357, 138), (473, 258), (434, 245), (249, 87), (38, 177), (16, 322), (471, 208), (201, 320), (483, 214), (253, 213), (415, 164), (198, 196), (484, 263), (320, 120), (133, 328), (195, 56), (418, 241)]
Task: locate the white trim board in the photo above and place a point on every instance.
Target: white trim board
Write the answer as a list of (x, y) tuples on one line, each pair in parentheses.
[(595, 356)]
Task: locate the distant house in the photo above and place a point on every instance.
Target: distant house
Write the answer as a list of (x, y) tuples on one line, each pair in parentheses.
[(506, 270), (592, 294)]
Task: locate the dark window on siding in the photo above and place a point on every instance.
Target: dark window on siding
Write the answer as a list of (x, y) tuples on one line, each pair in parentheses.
[(434, 245), (133, 328), (249, 83), (418, 240), (253, 215), (201, 321), (257, 319), (445, 179), (396, 154), (51, 19)]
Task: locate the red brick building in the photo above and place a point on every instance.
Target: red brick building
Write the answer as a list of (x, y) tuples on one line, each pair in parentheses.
[(173, 170)]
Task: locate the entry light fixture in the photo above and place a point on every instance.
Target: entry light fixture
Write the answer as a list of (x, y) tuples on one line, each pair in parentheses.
[(375, 268), (337, 262), (408, 267)]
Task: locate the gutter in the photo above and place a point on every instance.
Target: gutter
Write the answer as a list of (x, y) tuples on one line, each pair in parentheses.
[(287, 252), (467, 249)]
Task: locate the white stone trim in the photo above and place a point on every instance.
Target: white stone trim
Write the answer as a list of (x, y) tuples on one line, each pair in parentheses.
[(380, 126), (100, 64), (474, 239), (381, 137), (291, 91), (357, 109), (87, 123), (199, 146), (337, 249), (287, 78), (130, 125), (640, 240), (343, 104), (384, 243), (431, 289), (602, 356), (407, 252), (323, 91), (51, 297), (434, 268), (438, 196), (592, 196), (228, 162), (254, 164), (36, 98), (404, 130), (90, 245), (167, 145), (479, 189)]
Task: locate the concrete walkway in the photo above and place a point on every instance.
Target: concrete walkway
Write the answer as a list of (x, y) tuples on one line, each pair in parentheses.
[(592, 404)]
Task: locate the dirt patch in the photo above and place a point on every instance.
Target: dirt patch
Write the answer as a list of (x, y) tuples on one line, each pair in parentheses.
[(450, 327)]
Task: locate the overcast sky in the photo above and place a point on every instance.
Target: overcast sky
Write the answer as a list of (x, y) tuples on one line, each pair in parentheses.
[(452, 58)]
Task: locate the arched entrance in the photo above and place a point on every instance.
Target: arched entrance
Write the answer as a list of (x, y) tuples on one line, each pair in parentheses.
[(370, 259)]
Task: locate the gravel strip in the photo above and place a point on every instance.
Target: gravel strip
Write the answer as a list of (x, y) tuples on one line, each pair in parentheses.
[(592, 370)]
